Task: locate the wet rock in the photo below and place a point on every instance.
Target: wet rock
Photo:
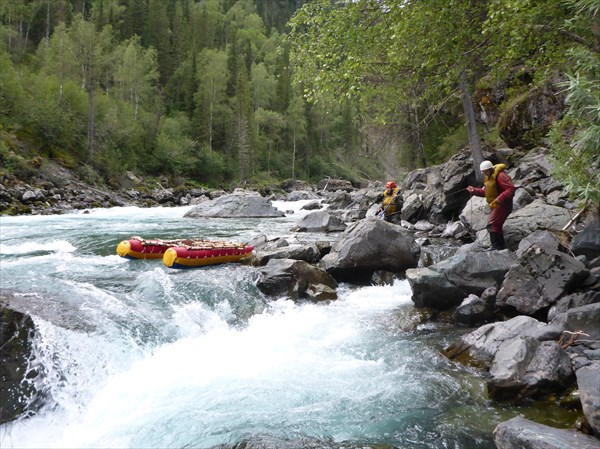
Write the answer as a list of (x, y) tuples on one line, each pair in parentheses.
[(472, 311), (525, 367), (445, 284), (521, 433), (309, 253), (296, 279), (370, 245), (313, 205), (320, 221), (482, 344), (18, 394)]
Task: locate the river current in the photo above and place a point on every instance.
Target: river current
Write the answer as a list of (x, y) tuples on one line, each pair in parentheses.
[(137, 355)]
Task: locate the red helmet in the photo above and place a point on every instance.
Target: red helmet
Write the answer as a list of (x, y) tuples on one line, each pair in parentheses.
[(390, 185)]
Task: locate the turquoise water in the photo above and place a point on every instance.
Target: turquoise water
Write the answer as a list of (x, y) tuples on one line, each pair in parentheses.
[(139, 355)]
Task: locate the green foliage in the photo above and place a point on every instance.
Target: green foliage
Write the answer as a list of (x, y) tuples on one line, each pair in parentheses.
[(11, 91), (576, 138), (55, 114), (205, 89)]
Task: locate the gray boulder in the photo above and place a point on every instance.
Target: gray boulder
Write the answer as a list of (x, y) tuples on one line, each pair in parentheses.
[(482, 344), (534, 216), (526, 367), (542, 276), (476, 213), (521, 433), (587, 242), (320, 221), (585, 318), (298, 195), (445, 284), (472, 310), (308, 252), (573, 301), (18, 392), (369, 245), (237, 205), (589, 390), (296, 279), (332, 185)]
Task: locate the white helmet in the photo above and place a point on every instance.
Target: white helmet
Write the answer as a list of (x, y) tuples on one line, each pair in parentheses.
[(486, 165)]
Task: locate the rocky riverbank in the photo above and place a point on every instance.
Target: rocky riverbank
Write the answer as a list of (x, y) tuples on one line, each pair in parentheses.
[(530, 312), (56, 190)]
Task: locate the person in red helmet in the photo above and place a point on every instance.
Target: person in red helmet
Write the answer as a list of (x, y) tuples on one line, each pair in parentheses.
[(392, 203), (498, 191)]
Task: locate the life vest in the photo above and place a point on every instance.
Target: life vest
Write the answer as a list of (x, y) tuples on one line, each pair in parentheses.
[(490, 184), (386, 200)]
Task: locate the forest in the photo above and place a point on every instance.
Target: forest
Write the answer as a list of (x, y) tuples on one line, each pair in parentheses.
[(226, 92)]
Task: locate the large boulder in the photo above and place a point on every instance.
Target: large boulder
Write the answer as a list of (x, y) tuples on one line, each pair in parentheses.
[(320, 221), (589, 390), (540, 278), (483, 343), (296, 279), (370, 245), (476, 213), (236, 205), (18, 393), (457, 173), (445, 284), (587, 242), (307, 252), (332, 185), (526, 367), (521, 433), (585, 319), (534, 216)]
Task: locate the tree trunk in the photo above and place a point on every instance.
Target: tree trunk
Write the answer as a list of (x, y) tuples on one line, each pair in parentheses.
[(90, 127), (294, 156), (474, 139), (244, 149)]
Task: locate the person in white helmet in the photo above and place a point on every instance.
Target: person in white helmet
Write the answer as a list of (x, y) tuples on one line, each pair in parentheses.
[(498, 191)]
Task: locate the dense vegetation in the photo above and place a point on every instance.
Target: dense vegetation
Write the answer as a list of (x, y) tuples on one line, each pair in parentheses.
[(187, 89), (222, 91)]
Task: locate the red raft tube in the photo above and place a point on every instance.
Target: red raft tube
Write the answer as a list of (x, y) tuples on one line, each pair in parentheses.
[(203, 253), (139, 248)]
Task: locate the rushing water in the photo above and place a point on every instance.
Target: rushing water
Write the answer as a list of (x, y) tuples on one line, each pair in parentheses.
[(139, 355)]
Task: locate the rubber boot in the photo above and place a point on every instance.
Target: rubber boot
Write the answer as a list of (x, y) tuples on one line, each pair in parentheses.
[(497, 240), (501, 244)]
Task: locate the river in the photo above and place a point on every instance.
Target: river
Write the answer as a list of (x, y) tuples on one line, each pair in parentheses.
[(137, 355)]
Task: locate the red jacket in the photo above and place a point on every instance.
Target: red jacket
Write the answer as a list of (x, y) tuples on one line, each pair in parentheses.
[(505, 187)]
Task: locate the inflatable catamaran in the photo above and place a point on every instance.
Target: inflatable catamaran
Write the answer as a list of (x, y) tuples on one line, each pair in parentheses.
[(184, 253)]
